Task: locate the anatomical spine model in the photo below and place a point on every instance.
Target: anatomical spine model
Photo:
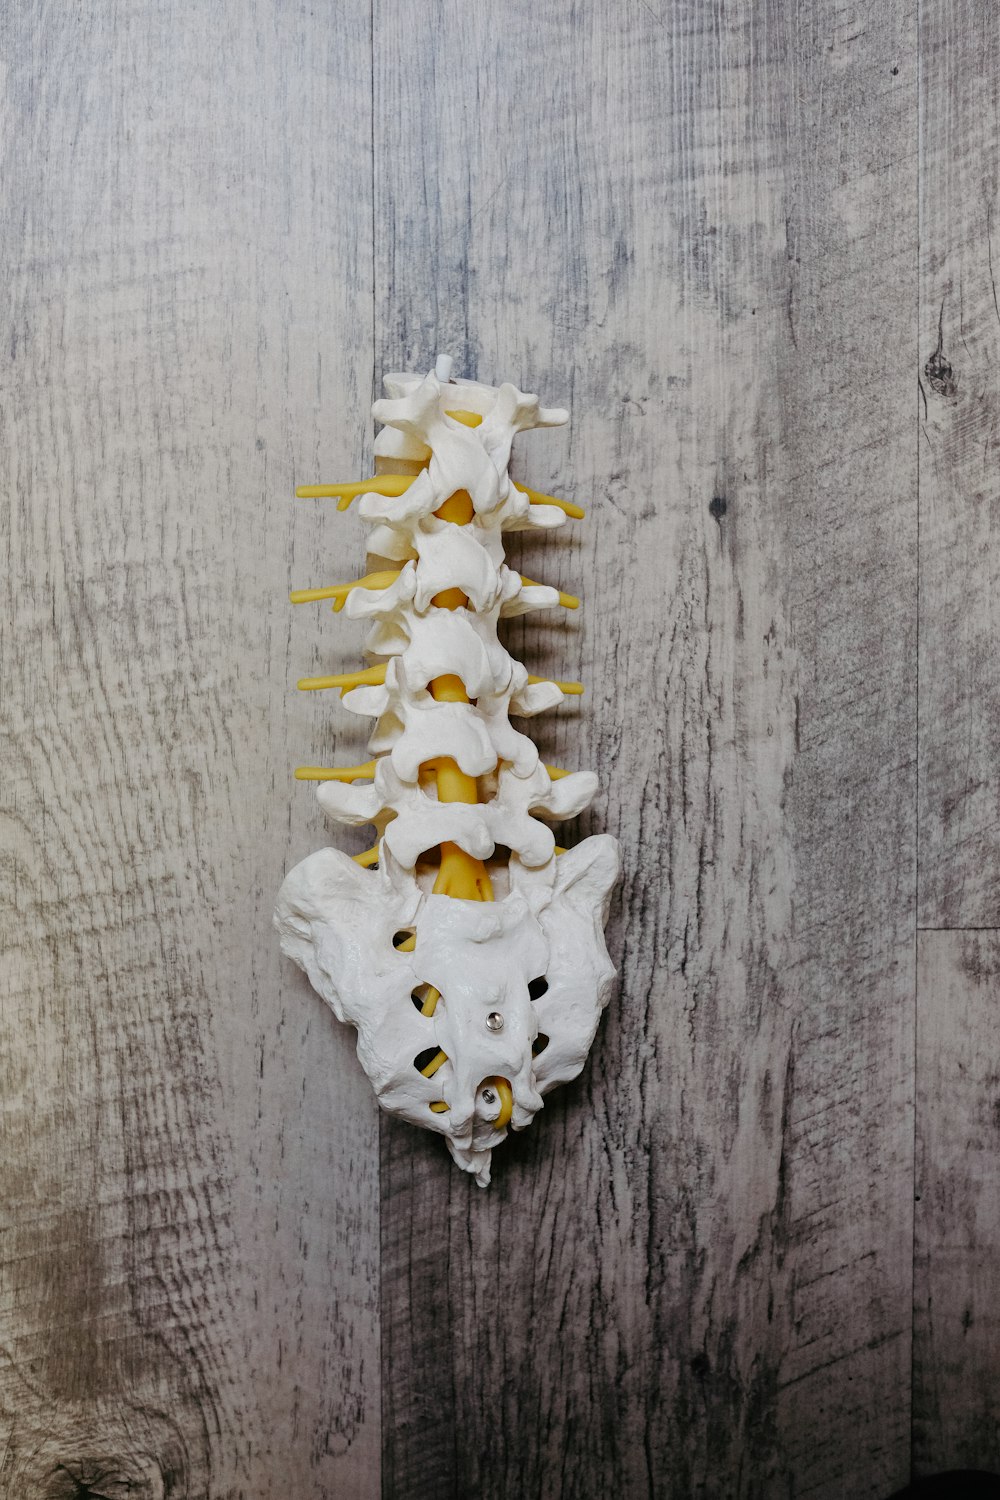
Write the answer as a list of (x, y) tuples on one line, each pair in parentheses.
[(466, 948)]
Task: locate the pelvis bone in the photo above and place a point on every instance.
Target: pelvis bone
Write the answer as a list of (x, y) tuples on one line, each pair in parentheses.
[(535, 958)]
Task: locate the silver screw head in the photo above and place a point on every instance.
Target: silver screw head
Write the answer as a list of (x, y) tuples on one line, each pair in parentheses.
[(494, 1021), (489, 1097)]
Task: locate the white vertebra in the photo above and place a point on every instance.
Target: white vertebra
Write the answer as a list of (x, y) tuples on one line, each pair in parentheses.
[(338, 921)]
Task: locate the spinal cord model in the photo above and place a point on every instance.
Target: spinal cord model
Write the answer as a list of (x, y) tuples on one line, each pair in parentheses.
[(465, 946)]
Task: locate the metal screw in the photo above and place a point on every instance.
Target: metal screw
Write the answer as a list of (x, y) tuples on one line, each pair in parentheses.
[(494, 1021), (489, 1097)]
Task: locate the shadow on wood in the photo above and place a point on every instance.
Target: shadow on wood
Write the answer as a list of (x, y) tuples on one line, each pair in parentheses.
[(957, 1484)]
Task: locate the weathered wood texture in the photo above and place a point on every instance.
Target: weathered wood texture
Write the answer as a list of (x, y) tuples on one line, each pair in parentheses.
[(189, 1158), (956, 1386), (959, 463), (957, 1242), (695, 225)]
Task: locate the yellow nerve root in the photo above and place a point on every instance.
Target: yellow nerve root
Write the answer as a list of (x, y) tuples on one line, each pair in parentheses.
[(395, 485), (570, 688), (535, 497), (430, 999), (370, 677), (568, 601), (323, 773), (379, 484), (340, 591), (503, 1088)]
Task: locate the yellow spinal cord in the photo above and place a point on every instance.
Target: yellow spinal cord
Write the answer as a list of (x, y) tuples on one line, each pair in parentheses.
[(460, 874)]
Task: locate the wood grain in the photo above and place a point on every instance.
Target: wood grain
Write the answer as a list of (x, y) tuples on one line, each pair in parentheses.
[(959, 463), (189, 1298), (697, 227), (957, 1240), (694, 226)]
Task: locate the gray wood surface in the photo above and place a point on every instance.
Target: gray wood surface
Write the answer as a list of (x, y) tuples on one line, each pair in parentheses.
[(752, 247), (959, 463), (956, 1368), (956, 1317), (188, 1165), (695, 226)]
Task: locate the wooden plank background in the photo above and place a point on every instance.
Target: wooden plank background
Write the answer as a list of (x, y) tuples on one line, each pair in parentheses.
[(750, 245), (956, 1352), (190, 1193), (957, 1323), (693, 1277)]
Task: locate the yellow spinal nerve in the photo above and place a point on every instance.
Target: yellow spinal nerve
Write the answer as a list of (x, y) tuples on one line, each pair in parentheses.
[(460, 874)]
